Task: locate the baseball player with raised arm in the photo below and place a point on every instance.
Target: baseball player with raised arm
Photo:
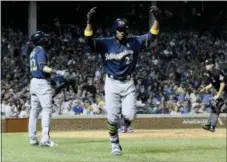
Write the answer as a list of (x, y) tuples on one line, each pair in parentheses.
[(40, 90), (119, 54)]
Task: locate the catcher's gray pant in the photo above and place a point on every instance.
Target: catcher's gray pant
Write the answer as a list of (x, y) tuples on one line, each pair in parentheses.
[(120, 99), (213, 118), (41, 100)]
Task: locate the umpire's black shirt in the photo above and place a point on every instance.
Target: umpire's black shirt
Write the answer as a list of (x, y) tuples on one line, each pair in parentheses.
[(216, 77)]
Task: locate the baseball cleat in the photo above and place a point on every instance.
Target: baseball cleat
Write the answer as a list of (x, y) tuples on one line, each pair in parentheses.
[(34, 143), (130, 130), (125, 130), (116, 149), (122, 130), (206, 126), (49, 143), (212, 129), (209, 127)]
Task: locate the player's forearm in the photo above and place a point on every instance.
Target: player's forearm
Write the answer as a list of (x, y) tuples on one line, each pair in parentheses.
[(88, 32), (152, 33), (208, 87), (155, 28), (221, 89)]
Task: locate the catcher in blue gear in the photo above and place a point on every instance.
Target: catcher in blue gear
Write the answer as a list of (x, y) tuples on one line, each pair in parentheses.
[(120, 55)]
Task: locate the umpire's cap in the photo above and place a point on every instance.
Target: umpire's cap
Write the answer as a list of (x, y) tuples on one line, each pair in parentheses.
[(120, 24), (209, 62)]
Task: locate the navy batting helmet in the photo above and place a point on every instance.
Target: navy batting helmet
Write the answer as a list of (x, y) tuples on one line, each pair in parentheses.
[(120, 25), (39, 38)]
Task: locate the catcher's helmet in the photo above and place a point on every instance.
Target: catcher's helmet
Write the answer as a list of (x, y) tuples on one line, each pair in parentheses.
[(39, 38), (120, 25)]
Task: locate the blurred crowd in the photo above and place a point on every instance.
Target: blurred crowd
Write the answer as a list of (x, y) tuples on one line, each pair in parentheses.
[(168, 76)]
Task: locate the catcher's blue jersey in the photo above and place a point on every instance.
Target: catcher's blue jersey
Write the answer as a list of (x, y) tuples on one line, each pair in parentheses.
[(38, 59), (120, 60)]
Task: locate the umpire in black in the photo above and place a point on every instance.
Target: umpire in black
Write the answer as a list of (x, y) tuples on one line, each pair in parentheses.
[(217, 80)]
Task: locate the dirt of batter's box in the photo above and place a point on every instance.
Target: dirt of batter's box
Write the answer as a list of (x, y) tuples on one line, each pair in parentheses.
[(148, 134)]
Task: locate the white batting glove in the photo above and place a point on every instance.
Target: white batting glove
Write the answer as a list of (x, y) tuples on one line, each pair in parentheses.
[(60, 72)]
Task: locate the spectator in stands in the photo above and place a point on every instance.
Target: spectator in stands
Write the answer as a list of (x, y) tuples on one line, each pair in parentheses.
[(171, 66), (76, 107)]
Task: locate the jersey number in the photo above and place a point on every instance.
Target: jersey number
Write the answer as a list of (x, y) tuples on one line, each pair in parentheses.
[(33, 65), (128, 60)]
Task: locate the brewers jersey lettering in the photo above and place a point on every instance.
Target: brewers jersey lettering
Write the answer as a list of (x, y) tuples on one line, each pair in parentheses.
[(118, 59)]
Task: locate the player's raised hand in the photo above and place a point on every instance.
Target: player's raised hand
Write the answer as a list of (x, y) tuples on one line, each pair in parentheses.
[(91, 13), (156, 12)]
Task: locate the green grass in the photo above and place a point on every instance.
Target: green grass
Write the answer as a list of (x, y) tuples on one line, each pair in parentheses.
[(15, 148)]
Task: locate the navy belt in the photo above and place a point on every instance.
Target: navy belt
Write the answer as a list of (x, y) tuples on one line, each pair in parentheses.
[(123, 78)]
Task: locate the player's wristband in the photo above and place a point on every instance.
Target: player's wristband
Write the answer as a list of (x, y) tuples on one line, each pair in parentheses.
[(154, 32), (47, 69), (88, 33)]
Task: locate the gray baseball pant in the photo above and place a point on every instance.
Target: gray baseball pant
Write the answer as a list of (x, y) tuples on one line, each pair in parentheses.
[(120, 99), (41, 101)]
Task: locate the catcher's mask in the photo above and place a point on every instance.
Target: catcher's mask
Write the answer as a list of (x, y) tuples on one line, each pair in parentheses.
[(120, 25)]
